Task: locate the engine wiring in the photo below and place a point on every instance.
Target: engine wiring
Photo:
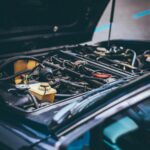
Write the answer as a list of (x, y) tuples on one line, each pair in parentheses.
[(68, 73)]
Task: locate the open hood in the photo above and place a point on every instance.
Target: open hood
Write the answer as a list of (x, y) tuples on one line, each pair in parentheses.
[(28, 24)]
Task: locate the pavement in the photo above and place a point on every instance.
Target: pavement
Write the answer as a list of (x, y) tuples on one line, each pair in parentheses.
[(131, 21)]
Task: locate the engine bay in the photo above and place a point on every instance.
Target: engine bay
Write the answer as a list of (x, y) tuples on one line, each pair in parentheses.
[(120, 57), (29, 83)]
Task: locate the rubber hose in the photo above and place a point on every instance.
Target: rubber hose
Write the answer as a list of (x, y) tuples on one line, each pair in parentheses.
[(13, 59)]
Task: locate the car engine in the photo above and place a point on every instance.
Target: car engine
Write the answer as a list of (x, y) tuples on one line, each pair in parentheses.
[(29, 83)]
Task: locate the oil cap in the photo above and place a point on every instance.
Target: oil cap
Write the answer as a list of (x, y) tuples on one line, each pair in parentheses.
[(44, 86), (22, 87)]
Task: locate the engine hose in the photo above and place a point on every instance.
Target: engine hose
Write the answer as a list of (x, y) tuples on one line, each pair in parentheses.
[(13, 59), (134, 56), (56, 60), (81, 76), (84, 69), (18, 74), (69, 64), (15, 75), (72, 84), (120, 63), (73, 73), (140, 65), (62, 62), (33, 100)]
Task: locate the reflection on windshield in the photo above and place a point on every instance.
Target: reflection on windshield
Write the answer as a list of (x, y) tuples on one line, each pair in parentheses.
[(82, 143), (129, 130)]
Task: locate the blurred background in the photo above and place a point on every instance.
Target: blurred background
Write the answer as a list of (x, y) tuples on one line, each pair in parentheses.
[(131, 21)]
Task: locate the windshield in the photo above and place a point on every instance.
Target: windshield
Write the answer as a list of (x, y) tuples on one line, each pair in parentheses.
[(131, 21), (128, 130)]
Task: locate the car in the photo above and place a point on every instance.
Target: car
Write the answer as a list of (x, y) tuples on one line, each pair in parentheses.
[(56, 92)]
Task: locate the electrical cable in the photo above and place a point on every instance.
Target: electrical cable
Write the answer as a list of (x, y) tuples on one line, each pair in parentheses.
[(16, 58), (18, 74), (33, 100)]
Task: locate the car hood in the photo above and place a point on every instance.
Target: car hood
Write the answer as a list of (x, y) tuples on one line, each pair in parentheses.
[(28, 24)]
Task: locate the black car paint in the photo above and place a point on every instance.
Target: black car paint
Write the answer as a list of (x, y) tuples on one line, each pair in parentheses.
[(14, 37)]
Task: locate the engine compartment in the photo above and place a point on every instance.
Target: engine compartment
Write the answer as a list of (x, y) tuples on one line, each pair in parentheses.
[(28, 83), (121, 57)]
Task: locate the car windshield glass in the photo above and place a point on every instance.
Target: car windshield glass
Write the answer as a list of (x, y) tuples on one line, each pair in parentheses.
[(127, 130)]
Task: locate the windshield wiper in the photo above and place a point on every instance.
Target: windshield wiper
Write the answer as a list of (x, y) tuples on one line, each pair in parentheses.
[(85, 101)]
